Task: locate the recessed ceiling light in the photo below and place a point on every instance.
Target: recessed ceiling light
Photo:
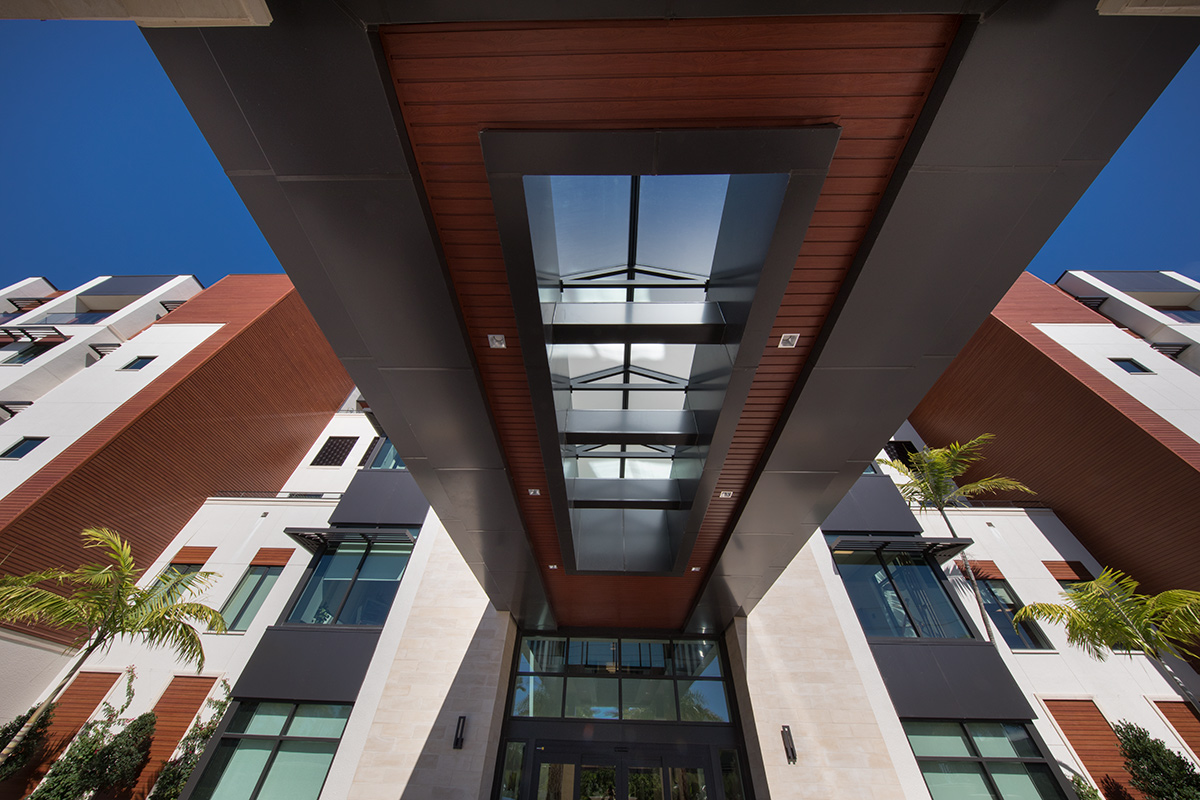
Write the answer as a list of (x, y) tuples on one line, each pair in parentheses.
[(725, 494), (695, 569), (553, 566), (496, 341), (789, 339), (535, 492)]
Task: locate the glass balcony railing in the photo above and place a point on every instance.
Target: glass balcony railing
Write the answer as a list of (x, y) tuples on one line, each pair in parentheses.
[(74, 318)]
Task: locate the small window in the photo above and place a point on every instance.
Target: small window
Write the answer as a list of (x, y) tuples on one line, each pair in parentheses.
[(248, 597), (22, 448), (139, 362), (362, 462), (1131, 366), (1001, 603), (29, 352), (333, 453), (274, 750), (981, 758), (386, 457)]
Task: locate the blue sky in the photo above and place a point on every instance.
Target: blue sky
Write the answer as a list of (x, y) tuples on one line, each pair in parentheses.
[(102, 171)]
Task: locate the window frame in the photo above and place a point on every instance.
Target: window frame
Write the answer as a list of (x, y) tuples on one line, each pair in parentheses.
[(310, 572), (267, 572), (16, 358), (1121, 361), (1027, 629), (131, 368), (984, 761), (943, 581), (223, 734), (36, 442)]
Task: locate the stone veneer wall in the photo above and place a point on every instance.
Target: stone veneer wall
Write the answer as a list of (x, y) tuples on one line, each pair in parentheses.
[(800, 671), (453, 659)]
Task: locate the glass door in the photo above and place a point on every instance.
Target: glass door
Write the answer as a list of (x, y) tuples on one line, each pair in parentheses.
[(640, 774)]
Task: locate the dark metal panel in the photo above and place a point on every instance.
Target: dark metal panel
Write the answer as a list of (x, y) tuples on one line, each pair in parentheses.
[(666, 323), (873, 505), (949, 680), (381, 497), (628, 426), (321, 663)]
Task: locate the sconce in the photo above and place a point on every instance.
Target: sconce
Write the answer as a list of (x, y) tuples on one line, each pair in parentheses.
[(460, 733), (789, 747)]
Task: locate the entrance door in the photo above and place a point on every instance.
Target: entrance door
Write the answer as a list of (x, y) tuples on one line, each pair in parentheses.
[(572, 772)]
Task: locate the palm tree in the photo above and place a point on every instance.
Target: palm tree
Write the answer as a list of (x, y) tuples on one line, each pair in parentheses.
[(931, 475), (104, 604), (1107, 613)]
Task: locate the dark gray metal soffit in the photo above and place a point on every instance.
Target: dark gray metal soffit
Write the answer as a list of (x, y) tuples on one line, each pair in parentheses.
[(1042, 96), (303, 120)]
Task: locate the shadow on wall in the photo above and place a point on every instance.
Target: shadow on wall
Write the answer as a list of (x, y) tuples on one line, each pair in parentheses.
[(478, 691)]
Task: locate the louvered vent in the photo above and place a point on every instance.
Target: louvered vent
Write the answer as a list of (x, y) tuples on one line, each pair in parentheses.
[(1169, 350)]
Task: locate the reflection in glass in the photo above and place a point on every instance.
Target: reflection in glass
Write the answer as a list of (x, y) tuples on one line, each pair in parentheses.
[(929, 738), (1003, 740), (378, 578), (387, 457), (597, 782), (510, 776), (956, 780), (592, 698), (248, 597), (925, 597), (688, 784), (646, 656), (679, 217), (537, 697), (1001, 604), (592, 655), (298, 771), (648, 699), (353, 584), (320, 720), (873, 596), (266, 719), (698, 659), (731, 775), (329, 584), (234, 769), (542, 654), (1017, 781), (702, 701), (646, 783), (556, 782)]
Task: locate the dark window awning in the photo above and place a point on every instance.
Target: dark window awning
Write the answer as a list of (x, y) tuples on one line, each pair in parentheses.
[(941, 549), (315, 539)]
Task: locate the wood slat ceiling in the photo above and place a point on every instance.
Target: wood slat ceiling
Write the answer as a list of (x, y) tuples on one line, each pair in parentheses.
[(870, 75)]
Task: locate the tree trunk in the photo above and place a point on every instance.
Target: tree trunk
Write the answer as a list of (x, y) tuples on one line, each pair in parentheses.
[(15, 742), (989, 635)]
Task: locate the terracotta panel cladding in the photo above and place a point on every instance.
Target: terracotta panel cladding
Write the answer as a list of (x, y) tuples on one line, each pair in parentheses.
[(1184, 720), (1075, 438), (871, 76), (237, 412), (192, 555), (1094, 742), (272, 556), (76, 703)]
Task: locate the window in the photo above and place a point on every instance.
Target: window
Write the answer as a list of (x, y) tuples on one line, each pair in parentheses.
[(1001, 603), (981, 759), (628, 679), (29, 352), (1182, 314), (386, 457), (138, 362), (74, 318), (353, 584), (1131, 366), (22, 448), (274, 751), (898, 594), (362, 462), (248, 597), (333, 453)]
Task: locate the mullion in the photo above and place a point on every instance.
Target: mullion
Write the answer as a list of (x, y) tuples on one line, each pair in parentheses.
[(899, 595), (262, 778), (353, 580), (262, 577)]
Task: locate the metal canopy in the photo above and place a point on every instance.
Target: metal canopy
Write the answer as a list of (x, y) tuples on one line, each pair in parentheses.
[(304, 120)]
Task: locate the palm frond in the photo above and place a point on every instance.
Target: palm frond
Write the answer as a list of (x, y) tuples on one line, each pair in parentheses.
[(996, 483)]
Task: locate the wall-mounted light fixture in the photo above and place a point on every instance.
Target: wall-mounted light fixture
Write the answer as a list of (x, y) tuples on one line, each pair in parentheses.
[(460, 732), (789, 747)]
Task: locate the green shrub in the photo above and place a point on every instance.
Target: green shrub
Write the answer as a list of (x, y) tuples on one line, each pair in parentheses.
[(29, 746), (117, 764), (1155, 769), (1083, 789)]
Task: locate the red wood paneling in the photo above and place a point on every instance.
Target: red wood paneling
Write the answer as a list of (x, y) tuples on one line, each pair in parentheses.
[(870, 75), (272, 556), (1184, 720), (76, 703), (1074, 437), (237, 412), (175, 711), (1068, 570), (1093, 740), (192, 555), (984, 570)]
